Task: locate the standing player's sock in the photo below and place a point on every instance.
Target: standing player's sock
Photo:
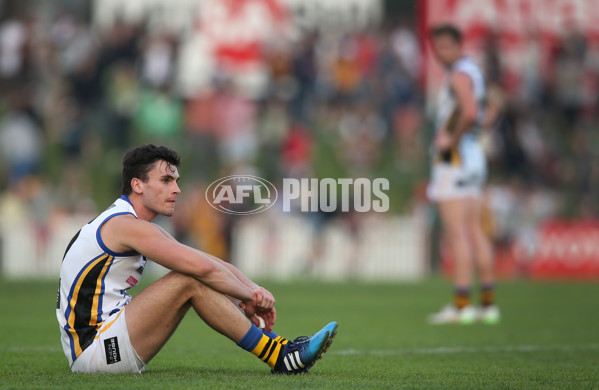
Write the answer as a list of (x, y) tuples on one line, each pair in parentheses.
[(258, 343), (462, 297), (487, 294), (275, 336)]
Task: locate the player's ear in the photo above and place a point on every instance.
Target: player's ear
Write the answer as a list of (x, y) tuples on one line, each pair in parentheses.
[(136, 185)]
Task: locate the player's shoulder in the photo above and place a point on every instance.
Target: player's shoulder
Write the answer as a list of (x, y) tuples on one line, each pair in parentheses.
[(464, 62), (460, 78), (123, 223), (466, 65), (127, 230), (128, 217)]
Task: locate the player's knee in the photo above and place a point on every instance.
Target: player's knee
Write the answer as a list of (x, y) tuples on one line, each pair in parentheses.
[(457, 232), (187, 284)]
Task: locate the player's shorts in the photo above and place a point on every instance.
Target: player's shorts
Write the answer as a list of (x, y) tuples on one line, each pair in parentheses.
[(111, 351), (462, 178)]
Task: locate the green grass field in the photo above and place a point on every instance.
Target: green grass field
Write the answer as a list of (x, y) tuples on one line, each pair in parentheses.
[(549, 338)]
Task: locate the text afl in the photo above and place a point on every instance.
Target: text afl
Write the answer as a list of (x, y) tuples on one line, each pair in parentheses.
[(247, 194)]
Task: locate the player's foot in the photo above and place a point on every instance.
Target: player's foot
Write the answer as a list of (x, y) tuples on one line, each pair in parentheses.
[(452, 315), (300, 354), (489, 315)]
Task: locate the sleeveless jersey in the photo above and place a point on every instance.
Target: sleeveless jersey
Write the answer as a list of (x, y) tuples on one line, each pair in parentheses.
[(447, 102), (94, 281)]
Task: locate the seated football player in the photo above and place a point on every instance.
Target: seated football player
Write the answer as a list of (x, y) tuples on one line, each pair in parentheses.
[(104, 330)]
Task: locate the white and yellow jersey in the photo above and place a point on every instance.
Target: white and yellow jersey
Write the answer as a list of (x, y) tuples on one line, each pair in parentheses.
[(94, 281), (446, 101)]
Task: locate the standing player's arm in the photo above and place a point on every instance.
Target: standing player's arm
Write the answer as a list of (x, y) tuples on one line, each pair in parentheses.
[(461, 84), (129, 233)]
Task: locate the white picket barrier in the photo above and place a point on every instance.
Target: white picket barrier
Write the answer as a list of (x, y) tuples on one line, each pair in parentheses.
[(284, 247), (276, 246)]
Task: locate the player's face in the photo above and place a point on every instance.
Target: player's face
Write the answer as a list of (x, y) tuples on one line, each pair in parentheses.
[(161, 189), (446, 49)]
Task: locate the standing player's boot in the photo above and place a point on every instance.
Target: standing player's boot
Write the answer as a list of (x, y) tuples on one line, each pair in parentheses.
[(450, 314), (299, 355), (489, 315)]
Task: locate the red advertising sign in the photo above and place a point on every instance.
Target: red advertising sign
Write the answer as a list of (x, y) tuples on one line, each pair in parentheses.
[(561, 250), (567, 250)]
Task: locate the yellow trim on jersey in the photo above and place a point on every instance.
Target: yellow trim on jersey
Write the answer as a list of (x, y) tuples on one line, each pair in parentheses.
[(104, 329), (96, 301), (73, 302), (455, 157)]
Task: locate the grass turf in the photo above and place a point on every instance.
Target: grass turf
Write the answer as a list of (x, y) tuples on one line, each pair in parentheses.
[(549, 338)]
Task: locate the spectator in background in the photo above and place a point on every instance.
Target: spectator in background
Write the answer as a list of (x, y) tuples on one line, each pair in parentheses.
[(21, 138), (569, 74), (361, 134), (296, 152), (14, 37), (235, 121)]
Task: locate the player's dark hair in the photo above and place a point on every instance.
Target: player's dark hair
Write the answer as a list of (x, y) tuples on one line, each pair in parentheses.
[(446, 29), (138, 162)]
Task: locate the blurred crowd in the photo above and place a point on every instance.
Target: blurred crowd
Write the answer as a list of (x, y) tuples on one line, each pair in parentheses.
[(74, 98)]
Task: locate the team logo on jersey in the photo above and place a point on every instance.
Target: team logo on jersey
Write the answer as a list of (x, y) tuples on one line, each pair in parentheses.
[(131, 281)]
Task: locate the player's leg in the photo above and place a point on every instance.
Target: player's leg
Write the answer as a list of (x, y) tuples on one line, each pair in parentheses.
[(481, 244), (154, 314), (453, 217), (483, 257)]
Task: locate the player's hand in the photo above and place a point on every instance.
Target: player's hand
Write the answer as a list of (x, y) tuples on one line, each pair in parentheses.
[(263, 299), (443, 140), (269, 317)]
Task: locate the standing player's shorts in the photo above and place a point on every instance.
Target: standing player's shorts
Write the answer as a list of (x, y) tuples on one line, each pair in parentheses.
[(463, 176), (111, 351)]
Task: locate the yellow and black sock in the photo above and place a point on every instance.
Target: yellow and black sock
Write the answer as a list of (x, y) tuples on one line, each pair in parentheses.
[(461, 298), (487, 295), (265, 348), (275, 336), (268, 350)]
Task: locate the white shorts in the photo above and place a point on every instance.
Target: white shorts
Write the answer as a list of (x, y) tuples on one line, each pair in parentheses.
[(464, 179), (111, 351), (450, 182)]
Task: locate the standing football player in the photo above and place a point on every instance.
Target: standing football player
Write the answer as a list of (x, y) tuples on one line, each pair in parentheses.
[(458, 175), (104, 330)]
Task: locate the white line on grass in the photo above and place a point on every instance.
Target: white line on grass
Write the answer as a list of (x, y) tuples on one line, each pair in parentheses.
[(459, 349)]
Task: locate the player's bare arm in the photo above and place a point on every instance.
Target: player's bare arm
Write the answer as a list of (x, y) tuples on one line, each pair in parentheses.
[(244, 279), (269, 316), (461, 85), (127, 233)]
